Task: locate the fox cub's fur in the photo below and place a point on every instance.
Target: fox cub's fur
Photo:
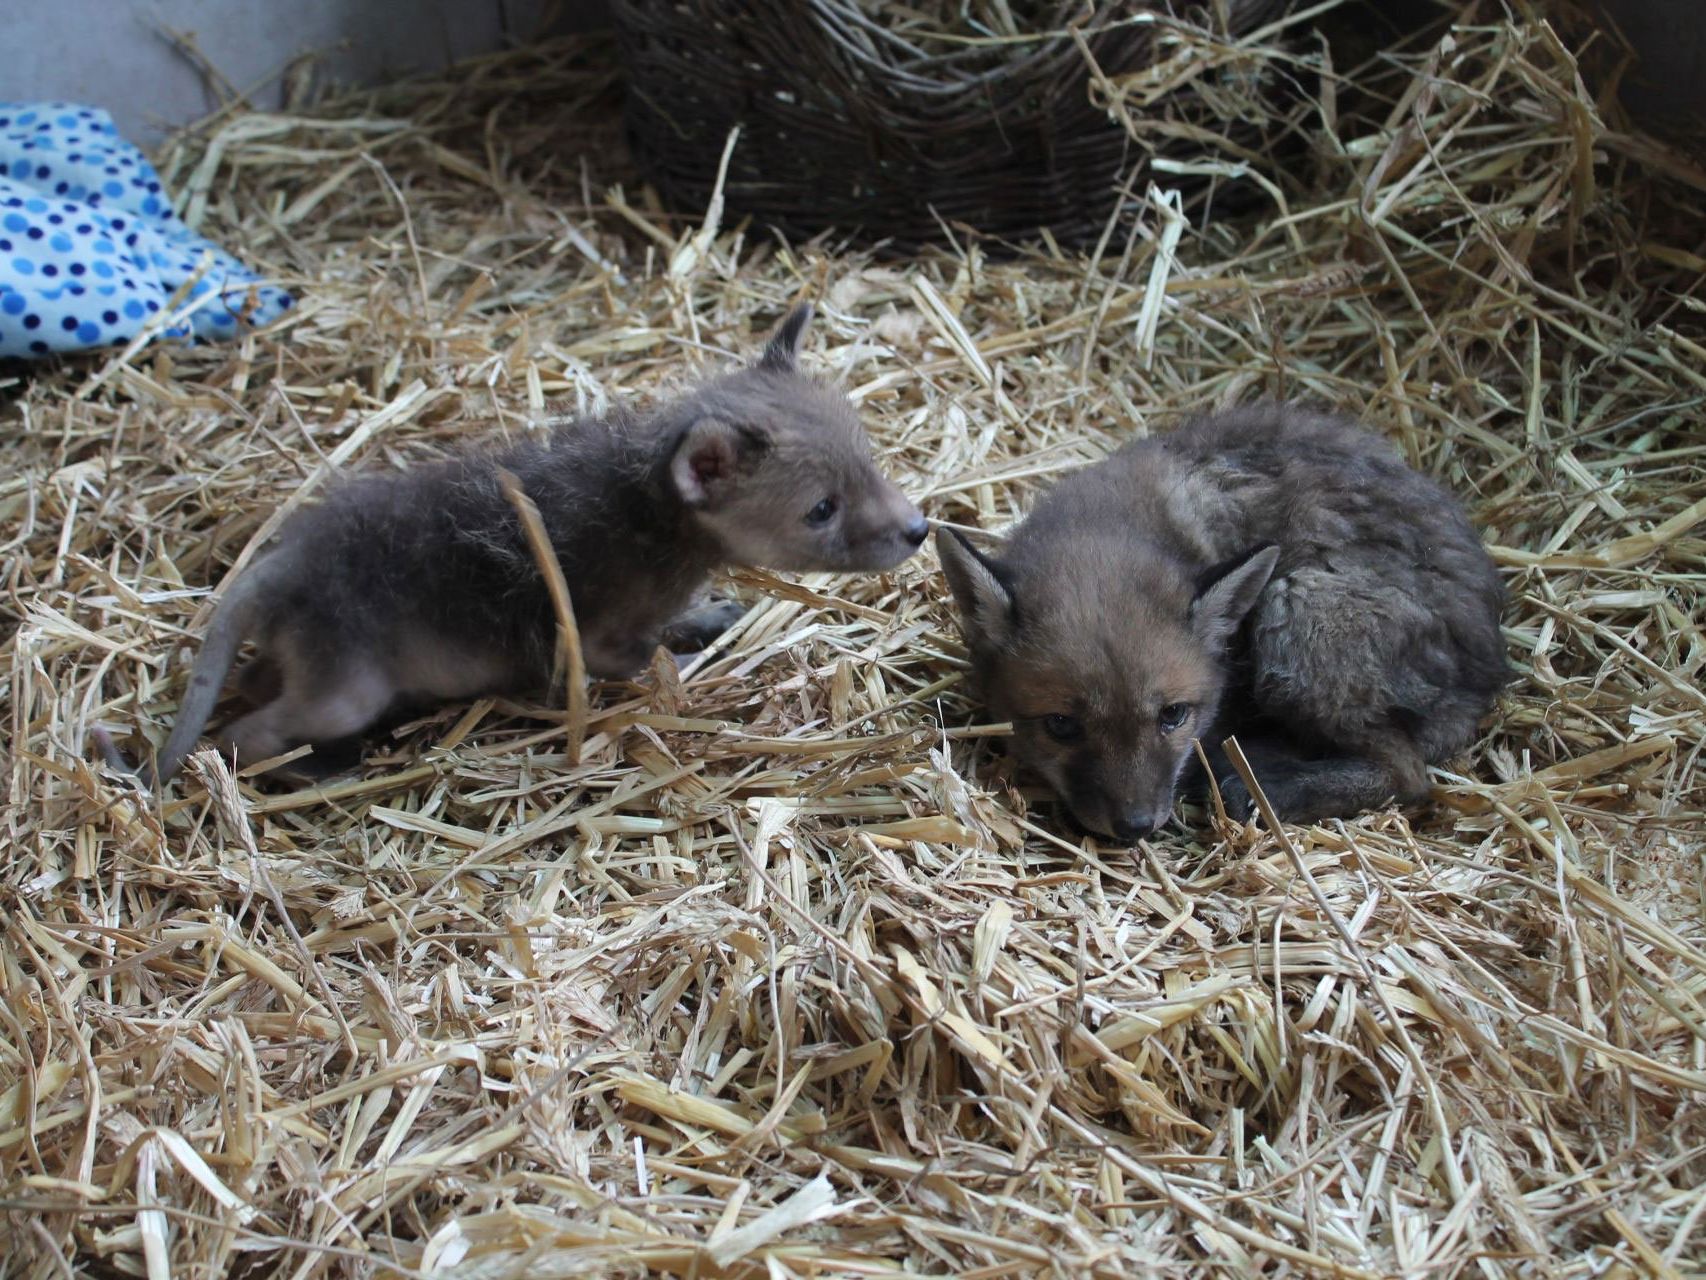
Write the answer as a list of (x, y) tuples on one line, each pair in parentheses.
[(415, 588), (1269, 572)]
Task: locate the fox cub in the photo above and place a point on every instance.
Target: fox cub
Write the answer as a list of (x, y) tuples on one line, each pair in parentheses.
[(408, 589), (1269, 572)]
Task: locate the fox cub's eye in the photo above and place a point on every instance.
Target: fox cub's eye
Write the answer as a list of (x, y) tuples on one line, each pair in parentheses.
[(1063, 728), (823, 513), (1173, 715)]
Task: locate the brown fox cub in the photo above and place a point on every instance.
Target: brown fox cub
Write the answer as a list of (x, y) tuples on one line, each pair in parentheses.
[(410, 589), (1270, 572)]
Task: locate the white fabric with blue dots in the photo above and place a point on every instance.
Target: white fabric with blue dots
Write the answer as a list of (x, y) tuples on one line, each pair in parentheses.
[(90, 249)]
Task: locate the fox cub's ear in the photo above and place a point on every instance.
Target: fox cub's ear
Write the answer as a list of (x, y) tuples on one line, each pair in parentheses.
[(782, 352), (1228, 591), (987, 609), (711, 458)]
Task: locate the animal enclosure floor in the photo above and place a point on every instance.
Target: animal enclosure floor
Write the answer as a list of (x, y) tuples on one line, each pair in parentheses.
[(778, 972)]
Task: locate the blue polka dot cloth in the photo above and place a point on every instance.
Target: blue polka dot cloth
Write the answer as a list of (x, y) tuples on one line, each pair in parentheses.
[(90, 249)]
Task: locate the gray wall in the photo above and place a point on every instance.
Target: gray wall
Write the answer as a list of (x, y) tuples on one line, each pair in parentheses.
[(119, 54)]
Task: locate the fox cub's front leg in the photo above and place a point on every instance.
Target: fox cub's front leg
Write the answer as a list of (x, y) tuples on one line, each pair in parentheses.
[(1306, 790), (695, 629)]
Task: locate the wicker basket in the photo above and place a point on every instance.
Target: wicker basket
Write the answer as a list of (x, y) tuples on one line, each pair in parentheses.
[(849, 120)]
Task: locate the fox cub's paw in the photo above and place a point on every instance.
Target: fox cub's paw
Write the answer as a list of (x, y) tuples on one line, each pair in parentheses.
[(1289, 793), (1240, 805), (699, 626)]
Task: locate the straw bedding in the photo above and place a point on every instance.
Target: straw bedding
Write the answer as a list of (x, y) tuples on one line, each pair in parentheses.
[(787, 976)]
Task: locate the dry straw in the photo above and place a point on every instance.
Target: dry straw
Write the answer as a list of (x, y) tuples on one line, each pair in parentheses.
[(784, 978)]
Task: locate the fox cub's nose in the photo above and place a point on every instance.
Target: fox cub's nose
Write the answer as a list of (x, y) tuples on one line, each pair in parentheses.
[(1133, 826), (917, 529)]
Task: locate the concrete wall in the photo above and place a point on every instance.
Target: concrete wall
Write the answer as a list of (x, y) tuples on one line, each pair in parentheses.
[(119, 54)]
